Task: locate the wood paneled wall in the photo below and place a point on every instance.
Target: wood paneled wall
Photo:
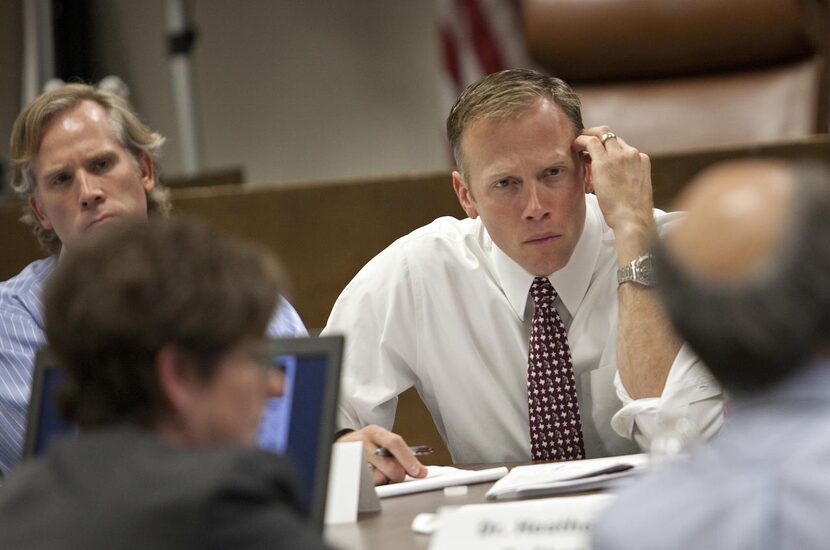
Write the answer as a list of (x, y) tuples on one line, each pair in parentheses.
[(324, 232)]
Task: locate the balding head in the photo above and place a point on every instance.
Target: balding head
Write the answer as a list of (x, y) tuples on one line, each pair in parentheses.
[(737, 216), (745, 273)]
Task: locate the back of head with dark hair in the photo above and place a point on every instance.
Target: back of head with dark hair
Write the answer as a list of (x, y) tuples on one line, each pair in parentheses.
[(124, 293), (755, 332)]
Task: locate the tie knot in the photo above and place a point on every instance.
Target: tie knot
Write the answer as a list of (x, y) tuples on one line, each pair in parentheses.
[(542, 291)]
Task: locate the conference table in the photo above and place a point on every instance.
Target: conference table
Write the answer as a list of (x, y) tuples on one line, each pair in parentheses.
[(391, 527)]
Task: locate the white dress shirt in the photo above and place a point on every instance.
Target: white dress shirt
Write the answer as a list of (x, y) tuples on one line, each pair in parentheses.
[(445, 310)]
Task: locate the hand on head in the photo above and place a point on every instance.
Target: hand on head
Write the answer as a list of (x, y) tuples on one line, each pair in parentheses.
[(619, 175), (387, 469)]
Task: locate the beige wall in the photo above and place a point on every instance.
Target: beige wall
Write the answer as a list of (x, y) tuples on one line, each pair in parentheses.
[(291, 89)]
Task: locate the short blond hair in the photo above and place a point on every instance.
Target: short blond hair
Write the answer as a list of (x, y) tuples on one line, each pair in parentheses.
[(27, 133), (507, 94)]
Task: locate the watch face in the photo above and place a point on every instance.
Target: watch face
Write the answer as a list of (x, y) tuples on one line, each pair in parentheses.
[(645, 271)]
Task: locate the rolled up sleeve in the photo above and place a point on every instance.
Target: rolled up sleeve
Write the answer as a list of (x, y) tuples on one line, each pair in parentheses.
[(690, 393)]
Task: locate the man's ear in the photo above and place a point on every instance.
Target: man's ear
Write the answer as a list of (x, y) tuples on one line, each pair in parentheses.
[(586, 174), (147, 170), (465, 196), (41, 217), (177, 378)]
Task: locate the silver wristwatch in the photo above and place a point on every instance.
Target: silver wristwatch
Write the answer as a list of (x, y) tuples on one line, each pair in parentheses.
[(640, 271)]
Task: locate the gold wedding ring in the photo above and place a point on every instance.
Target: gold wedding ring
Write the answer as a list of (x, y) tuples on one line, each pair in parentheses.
[(606, 136)]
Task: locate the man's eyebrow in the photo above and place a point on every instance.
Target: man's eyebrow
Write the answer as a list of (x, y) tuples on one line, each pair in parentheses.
[(106, 151), (558, 159), (497, 173), (53, 171), (103, 155)]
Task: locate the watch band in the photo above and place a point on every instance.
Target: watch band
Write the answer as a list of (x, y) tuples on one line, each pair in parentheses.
[(625, 274), (639, 271)]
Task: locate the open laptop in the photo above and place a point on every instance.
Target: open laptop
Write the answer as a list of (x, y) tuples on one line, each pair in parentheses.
[(43, 422), (300, 424)]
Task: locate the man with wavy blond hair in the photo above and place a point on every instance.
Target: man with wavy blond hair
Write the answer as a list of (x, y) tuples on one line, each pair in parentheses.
[(81, 159)]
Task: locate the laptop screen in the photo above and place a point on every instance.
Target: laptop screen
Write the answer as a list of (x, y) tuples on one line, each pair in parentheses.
[(43, 421), (300, 424)]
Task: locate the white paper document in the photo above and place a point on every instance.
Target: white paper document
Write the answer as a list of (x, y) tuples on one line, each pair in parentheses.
[(566, 477), (439, 477), (555, 523)]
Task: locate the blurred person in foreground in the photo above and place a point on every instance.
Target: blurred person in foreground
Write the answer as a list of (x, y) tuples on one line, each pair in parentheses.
[(160, 328), (81, 159), (745, 279)]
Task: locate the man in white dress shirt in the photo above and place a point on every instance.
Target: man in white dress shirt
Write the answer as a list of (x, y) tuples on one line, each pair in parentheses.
[(446, 308)]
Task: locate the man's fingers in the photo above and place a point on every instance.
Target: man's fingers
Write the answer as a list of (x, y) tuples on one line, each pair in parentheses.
[(602, 136), (401, 453), (591, 144), (378, 477), (387, 469), (596, 131), (619, 142)]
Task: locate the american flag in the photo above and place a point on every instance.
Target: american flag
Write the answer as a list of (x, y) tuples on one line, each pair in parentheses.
[(478, 37)]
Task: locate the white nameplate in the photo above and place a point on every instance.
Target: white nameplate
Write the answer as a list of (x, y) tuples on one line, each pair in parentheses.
[(344, 482), (547, 524)]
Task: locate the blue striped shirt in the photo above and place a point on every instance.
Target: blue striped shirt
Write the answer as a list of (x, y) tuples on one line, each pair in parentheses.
[(21, 334)]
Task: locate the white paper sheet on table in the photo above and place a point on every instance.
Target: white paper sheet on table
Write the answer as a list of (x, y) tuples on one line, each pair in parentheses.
[(555, 478), (439, 477)]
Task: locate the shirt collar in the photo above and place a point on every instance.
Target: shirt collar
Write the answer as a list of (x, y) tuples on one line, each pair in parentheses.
[(571, 282)]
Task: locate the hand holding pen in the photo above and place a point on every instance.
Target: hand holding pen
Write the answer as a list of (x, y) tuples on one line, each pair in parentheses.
[(417, 450), (401, 461)]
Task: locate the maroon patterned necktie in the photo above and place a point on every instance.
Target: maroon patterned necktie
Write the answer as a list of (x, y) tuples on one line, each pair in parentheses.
[(553, 411)]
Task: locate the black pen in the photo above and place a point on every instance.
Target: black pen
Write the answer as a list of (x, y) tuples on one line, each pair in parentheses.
[(417, 450), (613, 469)]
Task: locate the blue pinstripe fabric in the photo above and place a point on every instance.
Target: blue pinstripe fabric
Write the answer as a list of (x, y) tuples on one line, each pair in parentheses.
[(286, 324), (21, 333)]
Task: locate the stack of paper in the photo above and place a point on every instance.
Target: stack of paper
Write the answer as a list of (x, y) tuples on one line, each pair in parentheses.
[(439, 477), (565, 477)]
